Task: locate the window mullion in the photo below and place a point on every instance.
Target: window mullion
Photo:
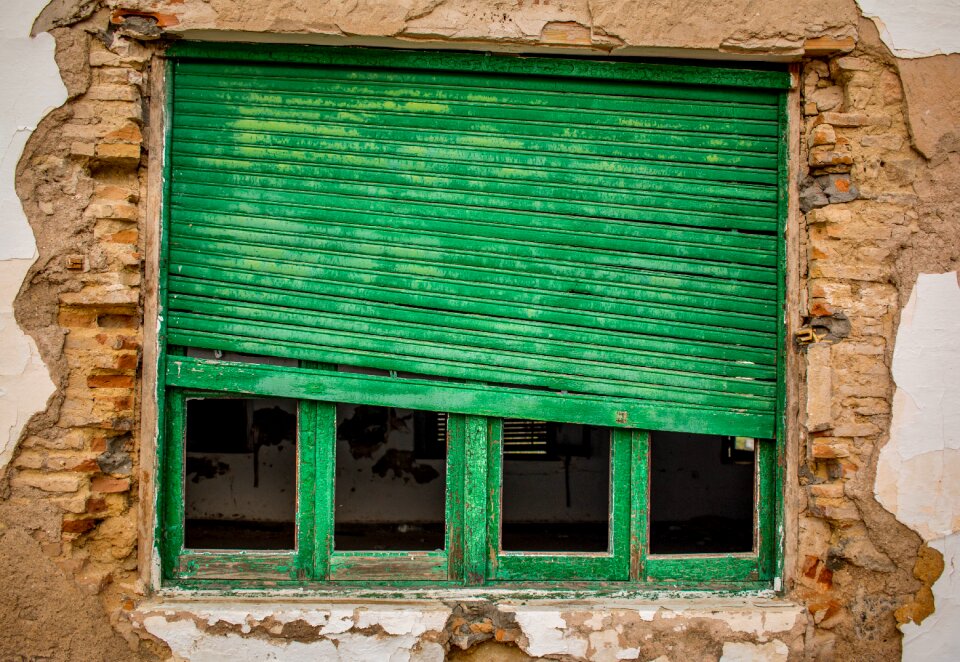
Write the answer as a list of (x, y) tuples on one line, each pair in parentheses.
[(474, 500), (639, 501), (324, 430)]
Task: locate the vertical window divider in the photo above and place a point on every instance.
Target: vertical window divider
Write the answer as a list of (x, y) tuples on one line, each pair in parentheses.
[(306, 486), (495, 478), (173, 502), (325, 449), (639, 501), (475, 467)]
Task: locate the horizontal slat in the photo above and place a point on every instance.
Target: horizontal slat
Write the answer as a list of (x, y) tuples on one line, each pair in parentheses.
[(531, 271), (630, 280), (622, 250), (452, 282), (383, 288), (195, 106), (421, 341), (591, 246), (255, 153), (447, 89), (485, 63), (470, 140), (544, 86), (631, 121), (271, 339), (710, 358), (452, 206), (730, 179), (462, 398), (486, 188), (377, 566)]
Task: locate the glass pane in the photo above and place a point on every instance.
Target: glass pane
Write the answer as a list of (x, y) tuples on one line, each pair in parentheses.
[(391, 479), (555, 494), (240, 483), (701, 493)]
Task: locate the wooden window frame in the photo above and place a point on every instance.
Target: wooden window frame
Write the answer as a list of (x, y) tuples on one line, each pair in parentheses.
[(472, 555)]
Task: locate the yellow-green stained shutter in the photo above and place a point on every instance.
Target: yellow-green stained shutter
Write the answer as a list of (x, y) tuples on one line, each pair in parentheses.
[(606, 231)]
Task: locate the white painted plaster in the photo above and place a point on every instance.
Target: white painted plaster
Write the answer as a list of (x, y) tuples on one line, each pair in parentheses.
[(547, 634), (937, 638), (402, 626), (918, 472), (395, 632), (31, 87), (756, 621), (916, 28), (188, 642), (773, 651)]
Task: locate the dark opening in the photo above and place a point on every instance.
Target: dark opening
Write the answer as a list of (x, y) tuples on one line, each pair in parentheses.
[(701, 493), (240, 480), (556, 500), (389, 497)]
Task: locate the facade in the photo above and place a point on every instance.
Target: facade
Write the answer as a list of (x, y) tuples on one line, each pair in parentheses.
[(651, 312)]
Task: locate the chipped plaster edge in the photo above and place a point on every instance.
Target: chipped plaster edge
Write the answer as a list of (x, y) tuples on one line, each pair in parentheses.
[(28, 64)]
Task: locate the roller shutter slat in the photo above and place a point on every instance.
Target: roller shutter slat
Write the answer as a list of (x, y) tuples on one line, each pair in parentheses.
[(601, 237)]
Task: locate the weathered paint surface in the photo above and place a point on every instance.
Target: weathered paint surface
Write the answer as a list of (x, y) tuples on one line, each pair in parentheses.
[(917, 470), (916, 29), (751, 630), (30, 87)]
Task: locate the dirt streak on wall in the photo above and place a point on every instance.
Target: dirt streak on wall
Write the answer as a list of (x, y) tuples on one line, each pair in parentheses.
[(878, 176)]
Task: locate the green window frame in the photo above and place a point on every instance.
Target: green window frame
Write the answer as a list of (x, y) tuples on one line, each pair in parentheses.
[(472, 555)]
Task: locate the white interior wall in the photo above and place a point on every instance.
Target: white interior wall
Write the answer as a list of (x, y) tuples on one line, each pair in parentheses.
[(30, 86)]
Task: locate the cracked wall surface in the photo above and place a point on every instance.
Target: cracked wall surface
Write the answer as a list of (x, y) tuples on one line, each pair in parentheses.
[(704, 629), (24, 382), (876, 158)]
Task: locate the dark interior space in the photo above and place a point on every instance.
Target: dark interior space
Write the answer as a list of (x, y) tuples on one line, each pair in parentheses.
[(390, 479), (556, 488), (701, 493), (240, 474)]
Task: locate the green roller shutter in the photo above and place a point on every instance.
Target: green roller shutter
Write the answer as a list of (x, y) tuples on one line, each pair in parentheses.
[(608, 233)]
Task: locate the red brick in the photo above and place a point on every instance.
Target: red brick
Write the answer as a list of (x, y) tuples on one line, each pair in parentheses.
[(78, 525), (127, 362), (87, 466), (96, 505)]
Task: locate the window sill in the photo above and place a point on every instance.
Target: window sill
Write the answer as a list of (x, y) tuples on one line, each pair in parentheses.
[(417, 628)]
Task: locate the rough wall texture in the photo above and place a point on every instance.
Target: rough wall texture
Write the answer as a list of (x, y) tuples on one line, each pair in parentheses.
[(877, 180)]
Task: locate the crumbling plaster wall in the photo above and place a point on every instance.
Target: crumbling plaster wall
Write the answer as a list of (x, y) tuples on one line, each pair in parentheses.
[(919, 467), (879, 174), (32, 87)]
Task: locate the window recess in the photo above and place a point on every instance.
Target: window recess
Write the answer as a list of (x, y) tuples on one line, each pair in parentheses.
[(474, 268)]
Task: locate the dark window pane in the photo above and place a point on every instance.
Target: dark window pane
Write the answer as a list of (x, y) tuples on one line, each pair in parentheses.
[(389, 496), (240, 489), (701, 493), (555, 495)]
